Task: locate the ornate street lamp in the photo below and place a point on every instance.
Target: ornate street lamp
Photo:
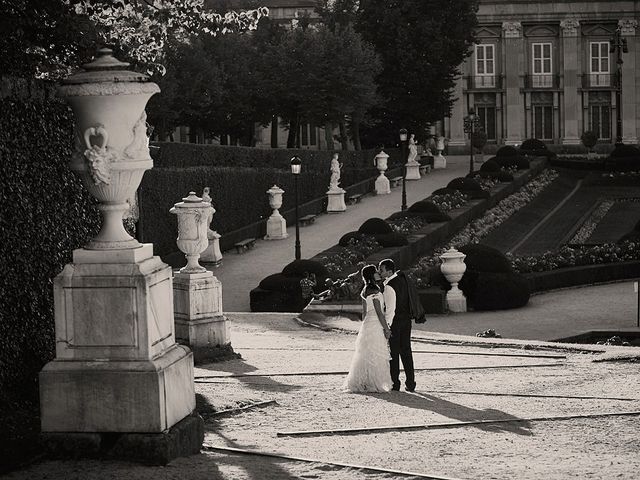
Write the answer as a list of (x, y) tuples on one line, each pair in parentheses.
[(471, 125), (619, 46), (403, 149), (296, 166)]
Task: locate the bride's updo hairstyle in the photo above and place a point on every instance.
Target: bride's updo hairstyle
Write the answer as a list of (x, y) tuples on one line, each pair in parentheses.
[(369, 278)]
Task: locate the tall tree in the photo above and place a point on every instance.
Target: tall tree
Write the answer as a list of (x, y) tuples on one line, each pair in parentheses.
[(422, 44)]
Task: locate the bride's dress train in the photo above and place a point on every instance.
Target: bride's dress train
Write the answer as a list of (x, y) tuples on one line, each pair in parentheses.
[(369, 370)]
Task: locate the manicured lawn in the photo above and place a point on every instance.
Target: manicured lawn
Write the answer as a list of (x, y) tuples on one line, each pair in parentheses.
[(619, 220)]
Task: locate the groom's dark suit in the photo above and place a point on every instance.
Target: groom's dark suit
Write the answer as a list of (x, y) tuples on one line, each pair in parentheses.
[(400, 341)]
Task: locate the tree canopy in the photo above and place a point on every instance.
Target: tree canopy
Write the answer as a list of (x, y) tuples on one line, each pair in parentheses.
[(422, 44)]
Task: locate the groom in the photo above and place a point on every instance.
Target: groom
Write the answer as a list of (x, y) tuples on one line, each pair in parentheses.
[(398, 315)]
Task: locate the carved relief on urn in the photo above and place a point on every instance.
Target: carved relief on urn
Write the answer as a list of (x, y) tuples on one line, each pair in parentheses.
[(111, 145), (193, 224)]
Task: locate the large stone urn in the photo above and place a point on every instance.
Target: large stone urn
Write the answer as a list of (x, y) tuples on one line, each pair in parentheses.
[(276, 224), (439, 161), (111, 145), (117, 369), (382, 185), (197, 293), (453, 268)]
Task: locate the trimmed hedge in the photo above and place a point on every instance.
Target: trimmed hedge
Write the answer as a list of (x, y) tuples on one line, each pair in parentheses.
[(468, 186), (507, 151), (46, 214), (347, 237), (484, 258), (239, 178), (533, 144), (490, 165), (393, 239), (374, 226), (239, 196)]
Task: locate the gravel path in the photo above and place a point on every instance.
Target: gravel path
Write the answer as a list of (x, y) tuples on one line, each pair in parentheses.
[(270, 344)]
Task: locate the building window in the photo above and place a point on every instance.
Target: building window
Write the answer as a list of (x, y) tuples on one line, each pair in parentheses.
[(487, 116), (543, 122), (601, 121), (599, 74), (541, 67), (485, 66)]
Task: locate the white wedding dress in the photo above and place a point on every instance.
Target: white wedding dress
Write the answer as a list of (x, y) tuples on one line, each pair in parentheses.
[(369, 370)]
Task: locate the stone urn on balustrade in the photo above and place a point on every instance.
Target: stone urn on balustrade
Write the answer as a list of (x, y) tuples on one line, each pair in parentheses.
[(193, 224), (276, 224), (453, 268), (382, 185)]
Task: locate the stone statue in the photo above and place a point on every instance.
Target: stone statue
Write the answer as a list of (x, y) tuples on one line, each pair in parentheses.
[(335, 172), (413, 149)]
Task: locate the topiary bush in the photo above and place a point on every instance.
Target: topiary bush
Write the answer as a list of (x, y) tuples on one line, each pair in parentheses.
[(429, 211), (490, 165), (624, 157), (522, 163), (483, 258), (532, 144), (347, 237), (498, 291), (374, 226), (394, 239), (589, 139), (279, 282), (507, 151), (297, 268), (489, 282), (464, 184)]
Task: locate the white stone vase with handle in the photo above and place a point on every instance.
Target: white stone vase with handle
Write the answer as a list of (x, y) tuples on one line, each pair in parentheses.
[(193, 224), (453, 268), (382, 185), (111, 145), (276, 224)]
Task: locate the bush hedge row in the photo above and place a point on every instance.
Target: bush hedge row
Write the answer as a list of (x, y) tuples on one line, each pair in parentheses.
[(46, 213), (239, 178)]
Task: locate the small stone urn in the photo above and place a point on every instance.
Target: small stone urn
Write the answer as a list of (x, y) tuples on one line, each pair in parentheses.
[(193, 224), (111, 145), (453, 268), (276, 224), (382, 183), (439, 161)]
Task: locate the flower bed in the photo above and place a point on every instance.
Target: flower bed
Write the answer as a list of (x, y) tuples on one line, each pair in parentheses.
[(480, 227)]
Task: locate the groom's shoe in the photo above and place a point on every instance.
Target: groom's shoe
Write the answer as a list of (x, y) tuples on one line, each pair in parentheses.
[(396, 388), (411, 388)]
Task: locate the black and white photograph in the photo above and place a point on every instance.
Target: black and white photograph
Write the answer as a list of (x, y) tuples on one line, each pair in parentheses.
[(320, 239)]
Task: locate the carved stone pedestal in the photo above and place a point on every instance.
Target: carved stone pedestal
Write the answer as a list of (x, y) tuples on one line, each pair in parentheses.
[(212, 256), (413, 171), (336, 201), (117, 366), (456, 301), (382, 185), (276, 227), (439, 161), (197, 300)]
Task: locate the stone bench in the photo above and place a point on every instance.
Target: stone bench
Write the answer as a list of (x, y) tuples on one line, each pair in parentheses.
[(307, 220), (395, 182), (244, 245), (354, 199)]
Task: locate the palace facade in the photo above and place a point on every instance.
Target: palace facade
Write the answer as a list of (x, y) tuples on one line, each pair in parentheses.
[(546, 70)]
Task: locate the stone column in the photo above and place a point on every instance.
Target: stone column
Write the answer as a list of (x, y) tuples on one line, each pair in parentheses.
[(571, 61), (118, 368), (513, 45), (629, 117), (457, 140)]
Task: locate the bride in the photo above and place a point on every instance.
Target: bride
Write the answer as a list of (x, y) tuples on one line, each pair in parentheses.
[(369, 370)]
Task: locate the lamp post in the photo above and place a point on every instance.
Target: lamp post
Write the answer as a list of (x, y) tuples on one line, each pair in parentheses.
[(403, 149), (296, 166), (471, 123), (619, 46)]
